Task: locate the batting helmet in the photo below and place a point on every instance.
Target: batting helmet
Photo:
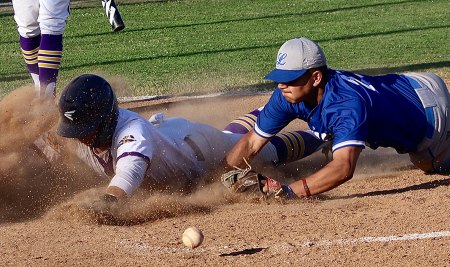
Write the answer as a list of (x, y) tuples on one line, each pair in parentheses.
[(88, 106)]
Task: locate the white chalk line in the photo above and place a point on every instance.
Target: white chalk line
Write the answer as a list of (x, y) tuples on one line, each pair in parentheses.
[(142, 248), (382, 239)]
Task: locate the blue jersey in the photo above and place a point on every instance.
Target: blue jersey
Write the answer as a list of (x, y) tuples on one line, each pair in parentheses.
[(356, 110)]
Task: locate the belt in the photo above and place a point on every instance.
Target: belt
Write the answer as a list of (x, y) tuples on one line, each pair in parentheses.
[(198, 153), (428, 102)]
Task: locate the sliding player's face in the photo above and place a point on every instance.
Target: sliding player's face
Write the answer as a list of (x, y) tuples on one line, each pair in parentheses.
[(89, 139)]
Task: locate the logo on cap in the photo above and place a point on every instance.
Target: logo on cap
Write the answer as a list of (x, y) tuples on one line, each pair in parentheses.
[(281, 57), (69, 114)]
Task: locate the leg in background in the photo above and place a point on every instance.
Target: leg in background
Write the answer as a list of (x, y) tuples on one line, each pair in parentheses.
[(243, 124), (30, 49), (295, 145), (49, 61)]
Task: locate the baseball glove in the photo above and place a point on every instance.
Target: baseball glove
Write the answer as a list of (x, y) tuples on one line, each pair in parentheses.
[(250, 182)]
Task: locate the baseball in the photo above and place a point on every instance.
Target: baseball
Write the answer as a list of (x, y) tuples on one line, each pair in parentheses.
[(192, 237)]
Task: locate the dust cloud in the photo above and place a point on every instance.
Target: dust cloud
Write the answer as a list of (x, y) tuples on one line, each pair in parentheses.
[(144, 206), (23, 118), (29, 183)]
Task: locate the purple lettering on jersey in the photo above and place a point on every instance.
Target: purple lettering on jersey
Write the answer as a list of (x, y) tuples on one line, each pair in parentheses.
[(126, 139)]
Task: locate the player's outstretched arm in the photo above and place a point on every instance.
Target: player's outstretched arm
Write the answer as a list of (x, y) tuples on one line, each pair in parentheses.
[(130, 172), (117, 192), (335, 173), (247, 147), (129, 175)]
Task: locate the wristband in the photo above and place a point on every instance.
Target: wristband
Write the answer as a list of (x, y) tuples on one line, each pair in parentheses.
[(305, 186), (288, 191)]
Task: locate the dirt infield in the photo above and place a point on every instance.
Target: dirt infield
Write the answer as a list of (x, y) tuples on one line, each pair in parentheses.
[(389, 214)]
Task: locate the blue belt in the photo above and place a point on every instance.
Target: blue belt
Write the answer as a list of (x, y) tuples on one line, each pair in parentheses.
[(428, 110)]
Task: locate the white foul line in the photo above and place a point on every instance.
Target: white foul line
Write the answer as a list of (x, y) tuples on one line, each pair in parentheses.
[(371, 239), (141, 248)]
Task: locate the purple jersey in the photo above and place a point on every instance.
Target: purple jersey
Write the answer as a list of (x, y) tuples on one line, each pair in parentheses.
[(357, 110)]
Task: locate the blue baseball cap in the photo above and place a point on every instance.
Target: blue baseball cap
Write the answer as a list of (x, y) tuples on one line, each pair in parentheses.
[(294, 58)]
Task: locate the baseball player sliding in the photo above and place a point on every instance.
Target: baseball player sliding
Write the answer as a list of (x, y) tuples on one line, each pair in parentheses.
[(161, 153), (407, 112)]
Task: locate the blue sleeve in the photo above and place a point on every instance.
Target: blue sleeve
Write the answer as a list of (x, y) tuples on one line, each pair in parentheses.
[(347, 121), (276, 115)]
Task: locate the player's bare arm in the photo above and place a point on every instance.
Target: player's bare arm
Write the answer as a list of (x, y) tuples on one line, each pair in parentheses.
[(117, 192), (247, 147), (335, 173)]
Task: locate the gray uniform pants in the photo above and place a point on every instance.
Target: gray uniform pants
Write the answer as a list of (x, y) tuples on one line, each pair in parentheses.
[(433, 153)]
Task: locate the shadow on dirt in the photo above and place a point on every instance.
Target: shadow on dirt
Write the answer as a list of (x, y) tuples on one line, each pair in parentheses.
[(247, 251), (422, 186)]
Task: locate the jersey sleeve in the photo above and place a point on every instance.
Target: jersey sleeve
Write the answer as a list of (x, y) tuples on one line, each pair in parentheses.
[(134, 151), (276, 115), (347, 122), (130, 173), (135, 141)]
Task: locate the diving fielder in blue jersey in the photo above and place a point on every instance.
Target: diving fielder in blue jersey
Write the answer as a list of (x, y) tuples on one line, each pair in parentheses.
[(407, 112)]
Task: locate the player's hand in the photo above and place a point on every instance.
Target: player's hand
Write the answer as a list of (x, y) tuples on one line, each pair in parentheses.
[(105, 207), (105, 202), (249, 181), (270, 187)]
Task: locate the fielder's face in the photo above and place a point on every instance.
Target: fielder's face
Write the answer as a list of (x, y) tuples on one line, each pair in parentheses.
[(298, 90)]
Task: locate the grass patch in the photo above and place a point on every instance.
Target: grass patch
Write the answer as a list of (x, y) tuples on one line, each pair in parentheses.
[(193, 47)]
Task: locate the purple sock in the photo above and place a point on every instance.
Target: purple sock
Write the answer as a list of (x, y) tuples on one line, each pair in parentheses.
[(30, 49), (292, 146), (243, 124), (50, 54)]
